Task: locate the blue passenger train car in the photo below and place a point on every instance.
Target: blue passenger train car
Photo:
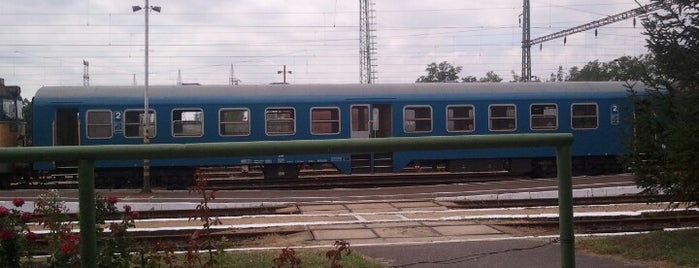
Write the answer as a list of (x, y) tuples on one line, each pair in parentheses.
[(592, 111)]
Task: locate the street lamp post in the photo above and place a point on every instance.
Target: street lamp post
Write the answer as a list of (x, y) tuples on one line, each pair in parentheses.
[(146, 115)]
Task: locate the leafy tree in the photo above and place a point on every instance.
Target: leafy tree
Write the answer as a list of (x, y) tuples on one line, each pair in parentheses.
[(28, 117), (629, 68), (469, 79), (559, 76), (442, 72), (491, 76), (517, 78), (665, 150), (592, 71), (621, 69)]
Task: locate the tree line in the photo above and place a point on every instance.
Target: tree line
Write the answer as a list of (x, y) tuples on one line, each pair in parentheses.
[(624, 68)]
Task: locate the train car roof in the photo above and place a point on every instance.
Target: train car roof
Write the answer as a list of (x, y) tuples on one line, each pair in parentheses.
[(320, 92), (10, 91)]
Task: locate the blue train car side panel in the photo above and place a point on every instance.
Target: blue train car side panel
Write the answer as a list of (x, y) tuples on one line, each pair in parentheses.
[(592, 111)]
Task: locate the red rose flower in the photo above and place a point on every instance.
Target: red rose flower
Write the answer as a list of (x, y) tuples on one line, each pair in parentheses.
[(74, 238), (18, 202), (69, 243), (135, 214), (67, 248), (31, 236), (127, 208), (25, 216), (4, 211), (112, 199)]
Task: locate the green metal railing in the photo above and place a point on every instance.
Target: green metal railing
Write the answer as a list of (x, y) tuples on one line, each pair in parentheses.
[(86, 156)]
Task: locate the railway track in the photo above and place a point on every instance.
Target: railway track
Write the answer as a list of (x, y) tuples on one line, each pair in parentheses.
[(644, 222), (578, 201), (217, 180), (356, 181)]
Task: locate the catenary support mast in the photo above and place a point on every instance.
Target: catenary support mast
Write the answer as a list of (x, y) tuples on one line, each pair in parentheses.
[(367, 74), (527, 43)]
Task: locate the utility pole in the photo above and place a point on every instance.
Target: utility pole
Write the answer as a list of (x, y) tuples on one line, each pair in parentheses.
[(179, 77), (232, 79), (284, 72)]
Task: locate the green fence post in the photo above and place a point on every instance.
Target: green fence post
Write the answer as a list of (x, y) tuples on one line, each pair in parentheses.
[(88, 228), (565, 205)]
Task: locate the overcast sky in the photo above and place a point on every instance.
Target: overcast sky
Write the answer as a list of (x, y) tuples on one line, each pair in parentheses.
[(44, 43)]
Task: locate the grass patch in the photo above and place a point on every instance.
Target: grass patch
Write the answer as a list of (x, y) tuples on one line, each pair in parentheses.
[(309, 258), (678, 247)]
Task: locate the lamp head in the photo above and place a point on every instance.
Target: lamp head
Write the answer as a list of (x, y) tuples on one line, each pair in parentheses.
[(155, 8), (135, 8)]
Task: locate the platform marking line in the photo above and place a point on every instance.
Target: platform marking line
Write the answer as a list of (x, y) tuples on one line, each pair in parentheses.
[(451, 218)]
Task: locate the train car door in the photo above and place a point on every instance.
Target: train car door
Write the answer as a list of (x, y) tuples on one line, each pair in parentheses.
[(360, 119), (66, 131), (381, 121), (374, 124), (371, 122), (66, 127)]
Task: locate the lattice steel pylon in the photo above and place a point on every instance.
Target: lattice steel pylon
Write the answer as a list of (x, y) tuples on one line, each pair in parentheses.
[(367, 74), (526, 45), (86, 73)]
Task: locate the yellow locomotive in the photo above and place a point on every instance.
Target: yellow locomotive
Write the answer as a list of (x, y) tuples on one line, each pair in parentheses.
[(12, 128)]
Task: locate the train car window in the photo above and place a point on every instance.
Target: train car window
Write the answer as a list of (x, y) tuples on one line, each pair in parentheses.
[(502, 117), (325, 121), (9, 109), (133, 123), (280, 121), (20, 109), (234, 122), (187, 123), (584, 116), (360, 118), (99, 124), (460, 118), (543, 116), (417, 119)]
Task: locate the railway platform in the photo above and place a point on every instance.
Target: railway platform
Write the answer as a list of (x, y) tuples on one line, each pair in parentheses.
[(422, 232), (417, 234)]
